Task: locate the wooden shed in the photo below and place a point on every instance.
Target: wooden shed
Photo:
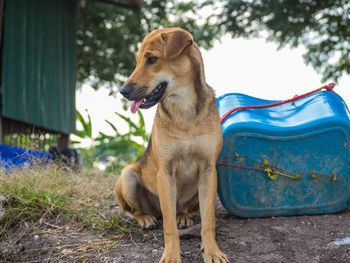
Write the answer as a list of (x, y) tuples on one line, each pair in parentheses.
[(38, 65)]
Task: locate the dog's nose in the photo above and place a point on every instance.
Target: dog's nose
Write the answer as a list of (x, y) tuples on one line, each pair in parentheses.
[(126, 90)]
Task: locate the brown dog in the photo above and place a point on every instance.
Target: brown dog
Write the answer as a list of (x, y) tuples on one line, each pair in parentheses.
[(177, 174)]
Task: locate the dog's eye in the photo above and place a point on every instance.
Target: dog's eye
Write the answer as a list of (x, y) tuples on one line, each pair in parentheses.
[(151, 60)]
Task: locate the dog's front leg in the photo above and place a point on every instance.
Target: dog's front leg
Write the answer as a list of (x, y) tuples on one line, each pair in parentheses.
[(166, 184), (207, 193)]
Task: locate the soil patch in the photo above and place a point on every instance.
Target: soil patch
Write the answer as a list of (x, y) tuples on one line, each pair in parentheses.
[(278, 239)]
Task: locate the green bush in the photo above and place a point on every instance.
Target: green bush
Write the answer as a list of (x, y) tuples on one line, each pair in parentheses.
[(113, 151)]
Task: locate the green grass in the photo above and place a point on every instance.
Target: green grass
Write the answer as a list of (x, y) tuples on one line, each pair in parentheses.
[(43, 251), (83, 198)]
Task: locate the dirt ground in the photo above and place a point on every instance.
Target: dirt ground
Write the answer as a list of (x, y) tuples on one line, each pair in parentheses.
[(280, 239)]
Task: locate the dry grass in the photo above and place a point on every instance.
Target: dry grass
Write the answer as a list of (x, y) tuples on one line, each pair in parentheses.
[(74, 215), (37, 193)]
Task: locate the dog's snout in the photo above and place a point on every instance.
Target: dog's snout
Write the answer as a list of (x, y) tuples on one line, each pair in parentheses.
[(126, 90)]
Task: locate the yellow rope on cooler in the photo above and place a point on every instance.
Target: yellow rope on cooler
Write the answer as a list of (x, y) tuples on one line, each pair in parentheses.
[(334, 178), (272, 173)]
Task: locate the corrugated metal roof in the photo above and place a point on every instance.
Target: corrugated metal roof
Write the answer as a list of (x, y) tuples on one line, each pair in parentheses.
[(39, 63)]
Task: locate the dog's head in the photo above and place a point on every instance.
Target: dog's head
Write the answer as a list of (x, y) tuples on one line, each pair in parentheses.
[(161, 60)]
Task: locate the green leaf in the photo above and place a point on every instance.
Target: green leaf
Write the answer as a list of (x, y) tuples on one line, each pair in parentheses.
[(127, 119), (87, 127), (74, 142), (112, 126), (141, 120)]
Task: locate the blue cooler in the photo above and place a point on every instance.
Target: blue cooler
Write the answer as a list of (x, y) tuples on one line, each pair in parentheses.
[(289, 159)]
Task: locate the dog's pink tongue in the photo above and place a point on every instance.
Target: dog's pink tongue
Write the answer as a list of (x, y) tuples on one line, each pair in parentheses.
[(135, 106)]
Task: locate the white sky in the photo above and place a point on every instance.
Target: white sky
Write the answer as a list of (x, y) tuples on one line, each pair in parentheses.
[(252, 67)]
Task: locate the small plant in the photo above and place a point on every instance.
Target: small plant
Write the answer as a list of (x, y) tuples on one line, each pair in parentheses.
[(117, 150), (85, 133)]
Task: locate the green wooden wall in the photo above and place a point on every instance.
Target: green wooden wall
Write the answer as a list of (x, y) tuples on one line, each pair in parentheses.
[(39, 63)]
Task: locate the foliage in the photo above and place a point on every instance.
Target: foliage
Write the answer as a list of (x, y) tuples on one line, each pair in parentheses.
[(85, 133), (109, 36), (118, 150), (34, 141), (113, 151), (321, 26)]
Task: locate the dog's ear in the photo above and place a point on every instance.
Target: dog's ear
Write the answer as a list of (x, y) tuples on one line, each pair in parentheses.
[(175, 42)]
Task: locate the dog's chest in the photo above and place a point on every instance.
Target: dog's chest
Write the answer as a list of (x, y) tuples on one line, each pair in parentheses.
[(190, 159), (191, 154), (185, 154)]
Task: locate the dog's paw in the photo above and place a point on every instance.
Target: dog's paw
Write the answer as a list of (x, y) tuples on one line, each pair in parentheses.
[(183, 221), (146, 221), (171, 257), (214, 256)]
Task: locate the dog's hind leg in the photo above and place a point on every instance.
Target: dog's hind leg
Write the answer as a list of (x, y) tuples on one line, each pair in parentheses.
[(134, 198), (183, 218)]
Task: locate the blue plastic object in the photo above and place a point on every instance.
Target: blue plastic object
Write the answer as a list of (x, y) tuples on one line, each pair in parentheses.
[(306, 141), (11, 157)]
